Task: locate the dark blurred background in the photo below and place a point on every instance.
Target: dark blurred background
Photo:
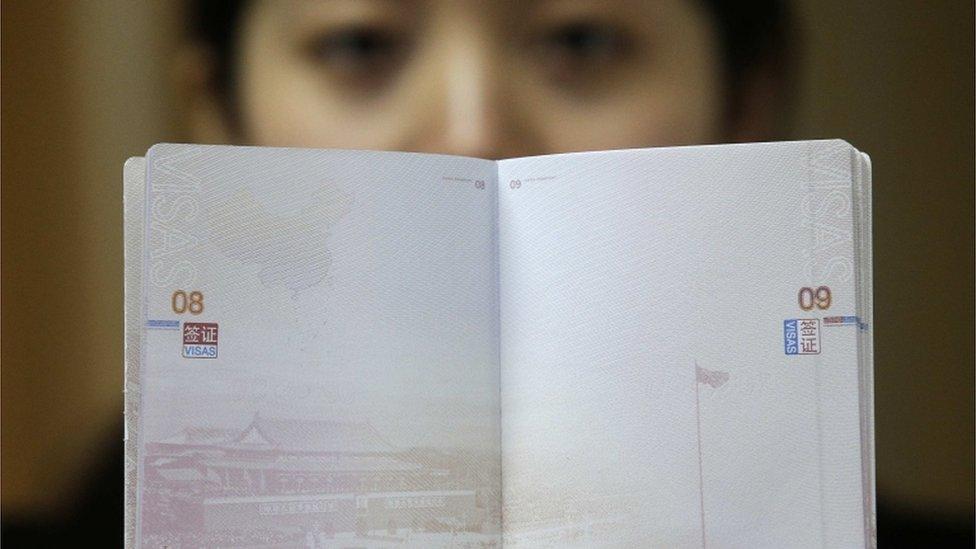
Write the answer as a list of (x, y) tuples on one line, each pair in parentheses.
[(87, 84)]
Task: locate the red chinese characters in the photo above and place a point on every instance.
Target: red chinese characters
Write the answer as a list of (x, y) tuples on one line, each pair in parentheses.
[(200, 340)]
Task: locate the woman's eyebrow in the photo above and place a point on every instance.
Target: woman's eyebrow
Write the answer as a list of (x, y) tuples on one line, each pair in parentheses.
[(342, 10)]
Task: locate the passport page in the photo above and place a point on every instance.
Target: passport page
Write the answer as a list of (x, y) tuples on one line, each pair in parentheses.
[(319, 358), (685, 343), (133, 201)]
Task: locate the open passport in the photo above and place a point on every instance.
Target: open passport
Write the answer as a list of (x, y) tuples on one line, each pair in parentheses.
[(639, 348)]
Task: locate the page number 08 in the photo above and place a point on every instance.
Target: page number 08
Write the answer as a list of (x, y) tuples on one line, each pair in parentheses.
[(810, 298), (184, 302)]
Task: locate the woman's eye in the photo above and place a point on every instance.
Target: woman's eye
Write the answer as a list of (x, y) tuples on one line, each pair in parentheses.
[(359, 52), (581, 55), (585, 42)]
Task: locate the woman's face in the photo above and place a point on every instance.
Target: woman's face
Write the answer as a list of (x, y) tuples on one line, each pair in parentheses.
[(480, 78)]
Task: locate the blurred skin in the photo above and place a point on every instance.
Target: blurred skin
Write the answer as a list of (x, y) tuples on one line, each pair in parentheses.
[(487, 79)]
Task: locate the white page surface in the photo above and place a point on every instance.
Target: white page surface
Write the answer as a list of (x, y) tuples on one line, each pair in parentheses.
[(340, 381), (647, 395)]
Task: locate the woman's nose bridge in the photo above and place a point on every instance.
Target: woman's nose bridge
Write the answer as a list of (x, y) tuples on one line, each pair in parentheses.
[(474, 100)]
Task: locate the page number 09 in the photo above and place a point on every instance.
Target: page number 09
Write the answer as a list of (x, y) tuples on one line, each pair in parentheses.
[(184, 302), (810, 298)]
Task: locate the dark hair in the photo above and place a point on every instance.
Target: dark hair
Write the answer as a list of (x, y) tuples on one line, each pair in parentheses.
[(756, 37), (215, 25)]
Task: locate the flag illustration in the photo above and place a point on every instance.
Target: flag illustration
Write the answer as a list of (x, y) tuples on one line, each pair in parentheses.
[(713, 378)]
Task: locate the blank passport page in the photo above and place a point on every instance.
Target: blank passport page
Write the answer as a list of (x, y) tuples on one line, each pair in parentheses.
[(679, 365)]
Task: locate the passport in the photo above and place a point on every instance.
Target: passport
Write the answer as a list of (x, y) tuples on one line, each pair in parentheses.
[(665, 347)]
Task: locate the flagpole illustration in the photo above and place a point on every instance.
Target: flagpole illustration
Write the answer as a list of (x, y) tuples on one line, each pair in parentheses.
[(701, 476), (714, 379)]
